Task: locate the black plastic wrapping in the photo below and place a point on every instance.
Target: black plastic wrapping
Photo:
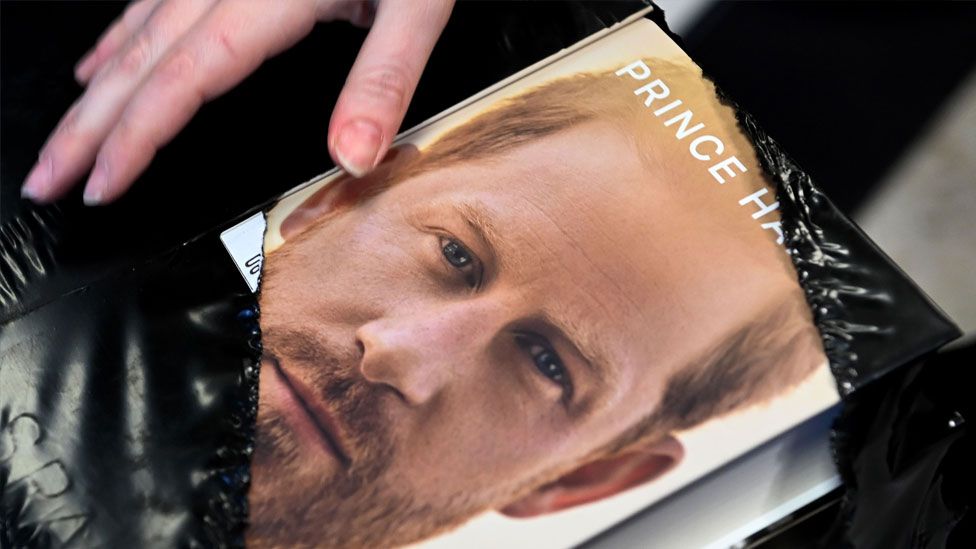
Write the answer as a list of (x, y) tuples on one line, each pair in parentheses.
[(861, 301), (128, 378), (128, 359), (907, 452), (892, 443), (128, 404)]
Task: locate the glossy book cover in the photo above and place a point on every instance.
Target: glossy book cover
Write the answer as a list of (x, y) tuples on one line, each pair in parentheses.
[(549, 307), (552, 306)]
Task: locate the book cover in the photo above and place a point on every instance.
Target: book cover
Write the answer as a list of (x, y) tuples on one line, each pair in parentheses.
[(548, 308), (556, 304)]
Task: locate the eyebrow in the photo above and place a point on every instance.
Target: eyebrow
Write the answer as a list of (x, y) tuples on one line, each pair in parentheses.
[(578, 336), (587, 344), (482, 226)]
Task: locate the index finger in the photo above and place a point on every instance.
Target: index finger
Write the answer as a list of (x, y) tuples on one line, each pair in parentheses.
[(381, 83)]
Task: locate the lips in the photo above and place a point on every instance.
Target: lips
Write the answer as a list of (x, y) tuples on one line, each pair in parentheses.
[(314, 413)]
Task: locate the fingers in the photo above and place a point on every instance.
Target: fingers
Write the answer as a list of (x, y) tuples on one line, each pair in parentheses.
[(188, 51), (382, 81), (71, 149), (154, 68), (227, 45), (114, 38)]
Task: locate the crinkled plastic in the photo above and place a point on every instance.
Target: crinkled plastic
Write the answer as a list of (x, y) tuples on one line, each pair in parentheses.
[(128, 389), (874, 320), (906, 454), (127, 404), (861, 301)]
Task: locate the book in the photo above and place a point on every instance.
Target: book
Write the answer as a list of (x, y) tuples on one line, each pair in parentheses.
[(601, 205), (593, 290)]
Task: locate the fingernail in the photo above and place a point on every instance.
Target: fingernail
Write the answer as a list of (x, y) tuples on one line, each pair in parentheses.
[(83, 68), (39, 179), (357, 147), (97, 185)]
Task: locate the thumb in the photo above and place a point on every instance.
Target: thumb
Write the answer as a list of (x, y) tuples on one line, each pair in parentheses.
[(382, 81)]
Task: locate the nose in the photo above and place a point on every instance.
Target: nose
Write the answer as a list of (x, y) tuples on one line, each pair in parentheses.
[(421, 354)]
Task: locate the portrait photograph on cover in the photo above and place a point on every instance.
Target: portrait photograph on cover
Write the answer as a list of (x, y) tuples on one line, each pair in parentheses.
[(582, 300), (548, 308)]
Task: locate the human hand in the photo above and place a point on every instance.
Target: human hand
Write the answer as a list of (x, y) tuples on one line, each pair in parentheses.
[(162, 59)]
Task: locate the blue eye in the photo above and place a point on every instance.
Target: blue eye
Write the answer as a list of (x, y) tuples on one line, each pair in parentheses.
[(456, 254), (547, 362), (462, 259)]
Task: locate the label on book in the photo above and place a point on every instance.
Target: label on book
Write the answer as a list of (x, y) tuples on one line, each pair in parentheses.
[(244, 244)]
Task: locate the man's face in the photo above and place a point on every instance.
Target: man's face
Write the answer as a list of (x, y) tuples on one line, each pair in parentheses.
[(475, 332)]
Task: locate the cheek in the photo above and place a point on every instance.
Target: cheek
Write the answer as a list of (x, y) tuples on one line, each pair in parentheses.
[(377, 264), (488, 438), (353, 258)]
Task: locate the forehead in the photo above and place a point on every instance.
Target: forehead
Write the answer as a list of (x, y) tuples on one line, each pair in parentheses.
[(598, 239)]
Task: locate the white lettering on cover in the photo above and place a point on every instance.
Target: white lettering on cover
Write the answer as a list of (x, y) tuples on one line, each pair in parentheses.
[(776, 226), (629, 69), (719, 146), (667, 107), (663, 91), (724, 165), (683, 130), (722, 169), (764, 208)]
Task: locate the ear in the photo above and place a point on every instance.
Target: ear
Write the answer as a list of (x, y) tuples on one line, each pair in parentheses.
[(601, 478), (345, 191)]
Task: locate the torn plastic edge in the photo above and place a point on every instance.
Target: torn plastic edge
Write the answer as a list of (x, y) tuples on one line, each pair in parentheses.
[(223, 513), (806, 243), (227, 518), (805, 239)]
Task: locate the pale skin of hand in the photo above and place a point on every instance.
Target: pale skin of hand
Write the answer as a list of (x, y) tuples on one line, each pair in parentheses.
[(162, 59)]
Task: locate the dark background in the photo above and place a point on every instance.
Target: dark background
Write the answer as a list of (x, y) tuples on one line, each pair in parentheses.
[(845, 87)]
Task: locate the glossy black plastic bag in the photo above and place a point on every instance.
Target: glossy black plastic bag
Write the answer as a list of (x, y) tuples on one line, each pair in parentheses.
[(128, 390)]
